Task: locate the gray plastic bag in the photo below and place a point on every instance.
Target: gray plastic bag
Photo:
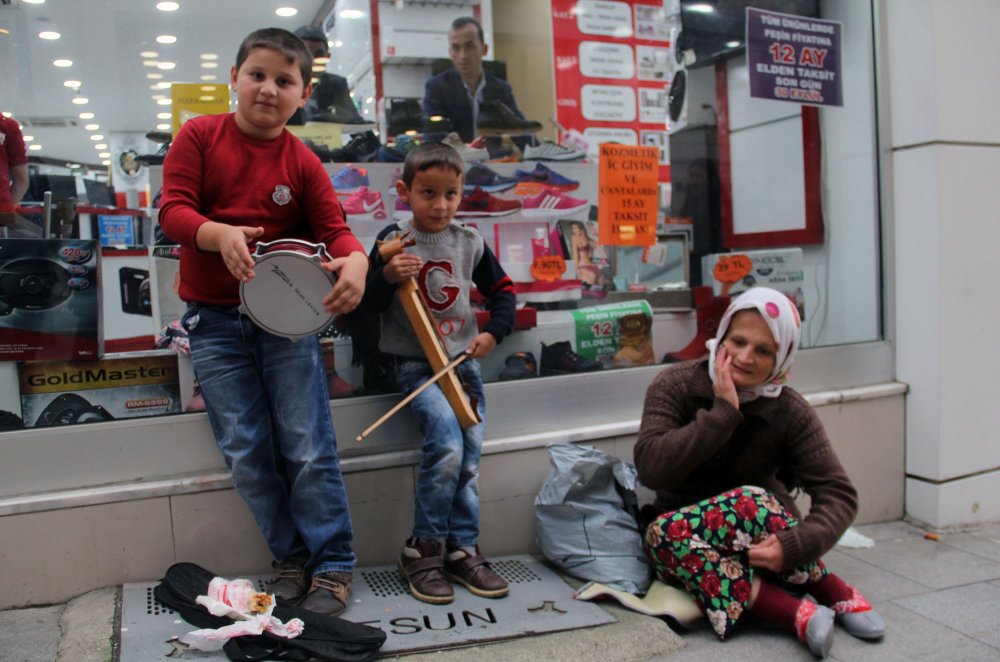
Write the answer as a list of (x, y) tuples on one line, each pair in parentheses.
[(585, 516)]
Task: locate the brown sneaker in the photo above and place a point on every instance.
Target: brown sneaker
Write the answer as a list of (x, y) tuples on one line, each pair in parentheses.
[(328, 593), (289, 582), (421, 564), (473, 571)]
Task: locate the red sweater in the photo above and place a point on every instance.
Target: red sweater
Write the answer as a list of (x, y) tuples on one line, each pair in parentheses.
[(215, 172)]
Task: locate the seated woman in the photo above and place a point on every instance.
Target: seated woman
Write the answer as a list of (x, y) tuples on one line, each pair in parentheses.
[(720, 440)]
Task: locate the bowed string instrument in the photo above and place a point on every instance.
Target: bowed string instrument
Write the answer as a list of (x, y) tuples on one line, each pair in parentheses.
[(455, 392)]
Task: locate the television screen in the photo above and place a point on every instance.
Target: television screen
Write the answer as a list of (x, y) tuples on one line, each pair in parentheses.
[(62, 186), (99, 194), (716, 29)]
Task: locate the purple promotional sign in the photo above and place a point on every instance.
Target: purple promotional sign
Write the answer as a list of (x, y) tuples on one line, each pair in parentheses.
[(794, 58)]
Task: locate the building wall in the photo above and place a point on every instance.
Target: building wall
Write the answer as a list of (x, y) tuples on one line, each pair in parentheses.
[(52, 555), (943, 59)]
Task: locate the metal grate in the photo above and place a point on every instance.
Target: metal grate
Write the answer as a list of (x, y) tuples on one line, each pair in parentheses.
[(153, 606), (515, 572)]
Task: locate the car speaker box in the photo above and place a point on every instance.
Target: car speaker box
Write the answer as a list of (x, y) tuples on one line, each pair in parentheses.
[(50, 299)]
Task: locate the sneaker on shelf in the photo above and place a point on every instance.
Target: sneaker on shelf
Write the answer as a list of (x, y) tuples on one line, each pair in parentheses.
[(481, 203), (496, 119), (530, 182), (551, 202), (362, 148), (560, 359), (465, 150), (328, 593), (395, 152), (519, 365), (401, 211), (350, 179), (483, 177), (550, 151), (365, 205)]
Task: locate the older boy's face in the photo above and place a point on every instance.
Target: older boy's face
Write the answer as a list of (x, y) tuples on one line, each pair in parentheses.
[(434, 196), (268, 89)]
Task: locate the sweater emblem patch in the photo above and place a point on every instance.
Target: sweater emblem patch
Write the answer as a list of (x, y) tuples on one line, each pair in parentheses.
[(282, 195)]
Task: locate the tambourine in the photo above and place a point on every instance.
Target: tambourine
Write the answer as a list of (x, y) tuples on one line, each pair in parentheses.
[(286, 293)]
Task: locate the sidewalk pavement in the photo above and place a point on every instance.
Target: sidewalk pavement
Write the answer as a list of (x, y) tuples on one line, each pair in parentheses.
[(938, 599)]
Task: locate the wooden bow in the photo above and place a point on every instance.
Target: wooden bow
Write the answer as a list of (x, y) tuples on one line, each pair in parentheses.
[(430, 342)]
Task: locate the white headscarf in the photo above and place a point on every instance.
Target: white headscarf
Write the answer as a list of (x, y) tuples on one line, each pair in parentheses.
[(782, 317)]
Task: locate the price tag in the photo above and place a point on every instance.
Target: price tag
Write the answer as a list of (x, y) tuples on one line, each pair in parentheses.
[(548, 268), (732, 268)]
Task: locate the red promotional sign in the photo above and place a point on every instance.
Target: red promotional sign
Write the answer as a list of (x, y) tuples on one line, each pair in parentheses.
[(611, 72)]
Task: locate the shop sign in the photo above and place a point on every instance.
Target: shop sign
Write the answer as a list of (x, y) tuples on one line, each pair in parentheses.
[(627, 196), (598, 328), (195, 99), (794, 58)]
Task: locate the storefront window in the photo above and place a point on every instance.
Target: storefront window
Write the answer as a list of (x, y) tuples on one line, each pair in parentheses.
[(763, 160)]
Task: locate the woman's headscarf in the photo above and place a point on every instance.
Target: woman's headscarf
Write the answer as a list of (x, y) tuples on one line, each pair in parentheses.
[(782, 317)]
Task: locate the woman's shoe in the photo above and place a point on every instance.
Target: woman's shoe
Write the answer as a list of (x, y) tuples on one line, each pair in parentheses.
[(862, 624), (819, 631)]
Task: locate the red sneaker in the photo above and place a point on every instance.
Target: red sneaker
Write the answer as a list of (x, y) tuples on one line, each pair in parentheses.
[(481, 203)]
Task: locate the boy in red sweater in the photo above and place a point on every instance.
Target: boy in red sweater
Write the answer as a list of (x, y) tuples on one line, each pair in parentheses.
[(230, 180)]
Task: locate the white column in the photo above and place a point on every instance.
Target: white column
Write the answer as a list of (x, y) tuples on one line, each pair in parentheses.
[(944, 88)]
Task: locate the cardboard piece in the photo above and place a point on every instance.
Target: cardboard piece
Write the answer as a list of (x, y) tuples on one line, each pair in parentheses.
[(660, 600)]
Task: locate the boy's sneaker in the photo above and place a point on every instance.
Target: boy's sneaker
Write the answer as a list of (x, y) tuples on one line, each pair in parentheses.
[(328, 593), (481, 203), (550, 151), (289, 582), (560, 359), (551, 202), (421, 565), (365, 205), (401, 211), (350, 179), (486, 179), (519, 365), (466, 151), (530, 182), (469, 567), (362, 148)]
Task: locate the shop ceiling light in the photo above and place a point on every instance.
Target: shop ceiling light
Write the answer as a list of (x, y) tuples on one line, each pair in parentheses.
[(104, 155), (701, 8), (167, 6), (164, 116), (154, 76), (80, 100), (209, 65), (166, 39), (163, 102), (28, 139), (86, 116), (63, 63), (72, 83), (351, 13), (101, 146), (49, 35), (209, 56), (209, 77), (33, 2), (95, 137), (92, 127), (148, 55), (286, 11), (162, 127), (35, 147), (166, 66)]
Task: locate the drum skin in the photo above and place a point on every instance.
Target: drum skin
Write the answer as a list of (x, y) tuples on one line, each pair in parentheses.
[(286, 293)]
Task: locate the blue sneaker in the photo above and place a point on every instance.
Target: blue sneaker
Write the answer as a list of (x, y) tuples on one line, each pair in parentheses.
[(350, 179), (396, 152), (530, 182), (486, 179)]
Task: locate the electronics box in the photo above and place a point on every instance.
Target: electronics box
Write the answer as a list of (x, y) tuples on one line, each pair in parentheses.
[(127, 299), (779, 269), (50, 299), (118, 386)]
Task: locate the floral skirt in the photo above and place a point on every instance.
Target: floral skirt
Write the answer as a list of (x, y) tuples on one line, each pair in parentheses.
[(704, 547)]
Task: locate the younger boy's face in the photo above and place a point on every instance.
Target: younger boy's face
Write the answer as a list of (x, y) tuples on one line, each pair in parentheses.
[(268, 89), (434, 196)]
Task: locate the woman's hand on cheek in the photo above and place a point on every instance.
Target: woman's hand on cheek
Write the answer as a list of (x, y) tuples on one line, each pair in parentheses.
[(724, 387)]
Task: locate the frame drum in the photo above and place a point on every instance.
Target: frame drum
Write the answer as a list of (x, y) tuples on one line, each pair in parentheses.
[(286, 293)]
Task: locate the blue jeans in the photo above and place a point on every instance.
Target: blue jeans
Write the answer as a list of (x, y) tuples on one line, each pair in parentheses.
[(447, 487), (269, 407)]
